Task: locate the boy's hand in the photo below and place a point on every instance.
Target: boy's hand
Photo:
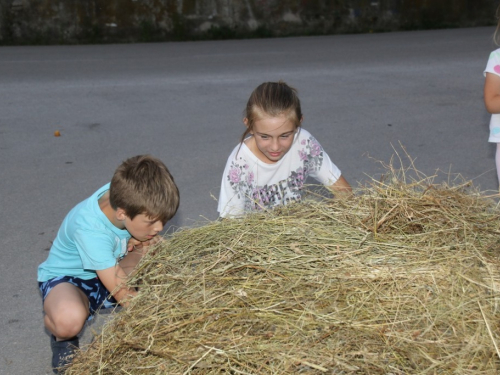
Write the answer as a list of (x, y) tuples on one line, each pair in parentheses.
[(143, 246)]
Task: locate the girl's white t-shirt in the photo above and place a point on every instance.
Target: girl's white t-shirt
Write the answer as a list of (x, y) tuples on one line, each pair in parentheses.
[(248, 184)]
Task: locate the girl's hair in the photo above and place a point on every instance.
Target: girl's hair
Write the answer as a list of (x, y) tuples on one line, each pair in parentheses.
[(272, 99), (496, 36)]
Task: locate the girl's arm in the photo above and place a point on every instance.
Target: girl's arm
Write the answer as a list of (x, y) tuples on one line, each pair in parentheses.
[(492, 93), (234, 186), (341, 186)]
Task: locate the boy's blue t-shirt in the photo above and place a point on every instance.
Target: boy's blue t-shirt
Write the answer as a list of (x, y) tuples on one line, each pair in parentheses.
[(87, 241)]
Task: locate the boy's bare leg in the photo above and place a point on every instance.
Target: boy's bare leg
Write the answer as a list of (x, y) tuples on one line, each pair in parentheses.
[(66, 310)]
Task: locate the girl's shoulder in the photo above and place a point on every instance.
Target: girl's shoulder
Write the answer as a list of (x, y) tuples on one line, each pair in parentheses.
[(304, 135), (241, 154)]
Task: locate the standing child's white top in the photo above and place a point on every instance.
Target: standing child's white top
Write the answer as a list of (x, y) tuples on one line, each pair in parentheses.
[(249, 184), (493, 66)]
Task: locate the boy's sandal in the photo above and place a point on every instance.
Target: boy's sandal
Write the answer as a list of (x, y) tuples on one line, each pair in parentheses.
[(62, 353)]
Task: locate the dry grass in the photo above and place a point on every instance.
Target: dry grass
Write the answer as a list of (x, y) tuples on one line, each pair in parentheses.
[(402, 278)]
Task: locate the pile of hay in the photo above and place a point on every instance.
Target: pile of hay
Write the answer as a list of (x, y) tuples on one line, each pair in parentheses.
[(402, 278)]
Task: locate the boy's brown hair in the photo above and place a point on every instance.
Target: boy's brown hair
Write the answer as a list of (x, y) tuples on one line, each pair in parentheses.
[(142, 184)]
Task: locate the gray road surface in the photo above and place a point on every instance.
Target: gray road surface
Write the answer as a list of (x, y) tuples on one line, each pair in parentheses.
[(182, 102)]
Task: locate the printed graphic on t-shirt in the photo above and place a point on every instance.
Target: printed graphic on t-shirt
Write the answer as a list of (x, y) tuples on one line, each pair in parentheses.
[(257, 197)]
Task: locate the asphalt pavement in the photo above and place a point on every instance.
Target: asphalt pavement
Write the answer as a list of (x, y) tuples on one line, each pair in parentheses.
[(363, 97)]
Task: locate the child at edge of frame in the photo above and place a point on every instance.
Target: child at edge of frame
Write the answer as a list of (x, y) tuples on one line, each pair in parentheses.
[(275, 156), (97, 247), (492, 93)]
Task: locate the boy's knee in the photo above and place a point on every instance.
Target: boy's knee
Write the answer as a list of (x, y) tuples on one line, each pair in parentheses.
[(67, 325)]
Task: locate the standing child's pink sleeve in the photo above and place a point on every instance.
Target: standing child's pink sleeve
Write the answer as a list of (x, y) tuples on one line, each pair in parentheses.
[(493, 65)]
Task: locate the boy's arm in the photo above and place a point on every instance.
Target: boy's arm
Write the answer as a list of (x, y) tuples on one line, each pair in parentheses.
[(114, 279), (130, 261), (492, 93), (135, 251)]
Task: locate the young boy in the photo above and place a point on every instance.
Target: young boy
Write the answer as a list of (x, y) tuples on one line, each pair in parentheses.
[(92, 255)]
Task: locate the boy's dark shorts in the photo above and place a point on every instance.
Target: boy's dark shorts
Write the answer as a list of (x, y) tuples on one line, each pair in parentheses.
[(95, 291)]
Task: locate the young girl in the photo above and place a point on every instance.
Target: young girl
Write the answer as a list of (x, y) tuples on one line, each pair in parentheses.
[(492, 95), (275, 156)]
